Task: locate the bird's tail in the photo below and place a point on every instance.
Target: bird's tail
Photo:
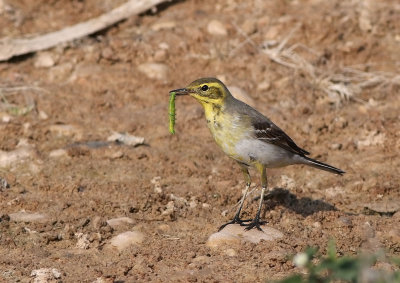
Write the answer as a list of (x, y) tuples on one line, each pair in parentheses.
[(319, 165)]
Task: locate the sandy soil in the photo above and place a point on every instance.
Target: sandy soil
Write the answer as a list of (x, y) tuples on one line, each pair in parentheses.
[(177, 190)]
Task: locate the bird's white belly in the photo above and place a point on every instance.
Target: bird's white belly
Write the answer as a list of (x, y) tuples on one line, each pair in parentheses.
[(252, 150)]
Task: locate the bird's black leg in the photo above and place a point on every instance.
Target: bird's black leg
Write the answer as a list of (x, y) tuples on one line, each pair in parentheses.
[(256, 223), (236, 219)]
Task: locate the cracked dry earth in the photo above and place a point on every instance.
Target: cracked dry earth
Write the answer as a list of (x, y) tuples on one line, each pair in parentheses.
[(78, 206)]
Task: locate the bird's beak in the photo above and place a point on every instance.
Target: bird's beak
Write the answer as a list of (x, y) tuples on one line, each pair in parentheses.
[(180, 91)]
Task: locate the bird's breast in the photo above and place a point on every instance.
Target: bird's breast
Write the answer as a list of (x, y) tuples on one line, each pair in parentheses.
[(227, 130)]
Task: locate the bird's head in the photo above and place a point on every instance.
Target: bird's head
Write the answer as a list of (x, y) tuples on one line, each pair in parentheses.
[(206, 91)]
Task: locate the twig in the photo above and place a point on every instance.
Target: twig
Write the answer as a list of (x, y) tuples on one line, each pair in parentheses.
[(15, 47)]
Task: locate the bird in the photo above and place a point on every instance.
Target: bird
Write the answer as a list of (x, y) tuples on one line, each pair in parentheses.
[(248, 137)]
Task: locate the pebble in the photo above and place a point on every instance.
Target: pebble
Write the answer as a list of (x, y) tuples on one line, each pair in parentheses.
[(156, 71), (58, 153), (66, 131), (215, 27), (126, 239), (230, 252), (249, 26), (163, 25), (160, 55), (43, 115), (23, 151), (44, 60), (3, 184), (44, 275), (5, 118), (234, 234), (240, 94), (126, 139), (83, 241), (24, 216), (388, 206), (114, 222), (264, 85)]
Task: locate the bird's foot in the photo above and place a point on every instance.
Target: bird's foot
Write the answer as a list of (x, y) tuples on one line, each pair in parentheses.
[(256, 223), (235, 220)]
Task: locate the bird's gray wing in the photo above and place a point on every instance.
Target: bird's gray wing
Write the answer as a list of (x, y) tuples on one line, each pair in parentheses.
[(268, 132)]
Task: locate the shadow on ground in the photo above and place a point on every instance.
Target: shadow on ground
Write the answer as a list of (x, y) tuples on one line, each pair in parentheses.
[(304, 206)]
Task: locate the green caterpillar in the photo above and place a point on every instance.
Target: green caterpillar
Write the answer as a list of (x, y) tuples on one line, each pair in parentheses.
[(172, 112)]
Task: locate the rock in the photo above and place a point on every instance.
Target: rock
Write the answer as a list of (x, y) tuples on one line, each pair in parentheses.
[(249, 26), (44, 275), (231, 252), (66, 131), (156, 71), (233, 234), (23, 151), (24, 216), (58, 153), (83, 241), (5, 118), (163, 25), (215, 27), (126, 239), (240, 94), (160, 55), (264, 85), (126, 139), (44, 60), (114, 222), (43, 115), (372, 138), (3, 184), (388, 206)]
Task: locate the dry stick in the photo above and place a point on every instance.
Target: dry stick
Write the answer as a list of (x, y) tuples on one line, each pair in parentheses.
[(15, 47)]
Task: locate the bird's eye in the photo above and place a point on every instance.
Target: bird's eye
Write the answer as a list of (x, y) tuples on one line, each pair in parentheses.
[(204, 87)]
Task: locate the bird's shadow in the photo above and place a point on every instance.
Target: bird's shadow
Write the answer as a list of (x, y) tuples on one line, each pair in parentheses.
[(304, 206)]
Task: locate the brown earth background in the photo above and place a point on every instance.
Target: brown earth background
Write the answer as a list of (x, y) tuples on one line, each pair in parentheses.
[(58, 107)]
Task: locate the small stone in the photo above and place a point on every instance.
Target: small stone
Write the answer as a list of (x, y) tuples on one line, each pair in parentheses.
[(317, 225), (108, 54), (83, 241), (3, 184), (164, 227), (22, 152), (263, 86), (156, 71), (114, 222), (249, 26), (160, 55), (384, 206), (56, 153), (43, 115), (233, 234), (206, 205), (66, 131), (126, 239), (44, 60), (215, 27), (44, 275), (163, 25), (231, 252), (23, 216), (126, 139), (241, 95), (5, 118)]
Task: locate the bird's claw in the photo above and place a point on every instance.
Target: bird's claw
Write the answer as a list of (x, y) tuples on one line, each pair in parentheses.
[(235, 220), (256, 223)]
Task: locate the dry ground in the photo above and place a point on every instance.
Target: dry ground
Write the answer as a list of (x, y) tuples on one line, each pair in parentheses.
[(57, 124)]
